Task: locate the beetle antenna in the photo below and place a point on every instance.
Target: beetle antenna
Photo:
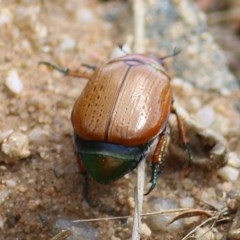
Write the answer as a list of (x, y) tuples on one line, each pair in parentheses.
[(72, 73), (175, 52), (92, 67), (65, 71)]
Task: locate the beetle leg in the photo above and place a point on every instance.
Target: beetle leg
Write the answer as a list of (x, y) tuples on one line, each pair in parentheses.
[(82, 73), (81, 167), (85, 190), (183, 135), (158, 159)]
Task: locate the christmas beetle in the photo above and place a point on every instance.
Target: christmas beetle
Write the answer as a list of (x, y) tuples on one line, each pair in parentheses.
[(122, 111)]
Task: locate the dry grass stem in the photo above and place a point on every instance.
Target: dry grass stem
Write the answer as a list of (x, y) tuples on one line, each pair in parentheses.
[(64, 234), (138, 12)]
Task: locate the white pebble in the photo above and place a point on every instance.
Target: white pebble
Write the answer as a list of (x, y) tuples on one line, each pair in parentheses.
[(41, 30), (79, 230), (226, 186), (161, 221), (187, 202), (85, 15), (5, 134), (15, 147), (5, 16), (195, 103), (228, 173), (206, 115), (67, 44), (3, 195), (14, 82), (38, 135), (187, 184), (11, 183), (183, 85), (233, 160), (145, 230)]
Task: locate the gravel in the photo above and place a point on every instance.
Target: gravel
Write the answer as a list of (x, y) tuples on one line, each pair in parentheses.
[(160, 222), (15, 147), (80, 231), (14, 82), (228, 173)]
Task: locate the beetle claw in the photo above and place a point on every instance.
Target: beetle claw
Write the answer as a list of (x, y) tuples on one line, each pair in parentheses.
[(155, 172), (150, 189)]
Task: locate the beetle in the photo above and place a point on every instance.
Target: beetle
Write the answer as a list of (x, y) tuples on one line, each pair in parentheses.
[(121, 112)]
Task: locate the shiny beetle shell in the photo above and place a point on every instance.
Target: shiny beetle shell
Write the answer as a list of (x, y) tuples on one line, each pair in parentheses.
[(127, 101)]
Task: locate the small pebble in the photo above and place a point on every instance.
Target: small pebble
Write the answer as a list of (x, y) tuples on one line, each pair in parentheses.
[(182, 85), (14, 82), (228, 173), (195, 103), (3, 195), (67, 44), (115, 238), (15, 147), (233, 160), (204, 233), (5, 134), (130, 202), (6, 16), (79, 230), (234, 234), (11, 183), (22, 188), (227, 187), (208, 195), (191, 220), (85, 15), (161, 221), (206, 115), (187, 184), (145, 230), (33, 205), (187, 202), (38, 135), (41, 30)]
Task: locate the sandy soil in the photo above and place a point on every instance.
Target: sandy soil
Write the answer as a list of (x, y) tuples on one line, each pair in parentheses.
[(46, 186)]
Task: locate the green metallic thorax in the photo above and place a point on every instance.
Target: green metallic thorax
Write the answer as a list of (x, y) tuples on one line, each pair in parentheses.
[(106, 162)]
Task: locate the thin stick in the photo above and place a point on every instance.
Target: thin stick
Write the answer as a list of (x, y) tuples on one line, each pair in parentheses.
[(138, 11), (163, 212), (139, 25), (63, 235), (212, 219)]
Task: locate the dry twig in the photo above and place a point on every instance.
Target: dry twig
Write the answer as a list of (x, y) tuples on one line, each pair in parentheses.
[(62, 235), (138, 11)]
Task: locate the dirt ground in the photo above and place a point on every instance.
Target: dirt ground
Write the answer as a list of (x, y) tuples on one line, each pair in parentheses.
[(38, 190)]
